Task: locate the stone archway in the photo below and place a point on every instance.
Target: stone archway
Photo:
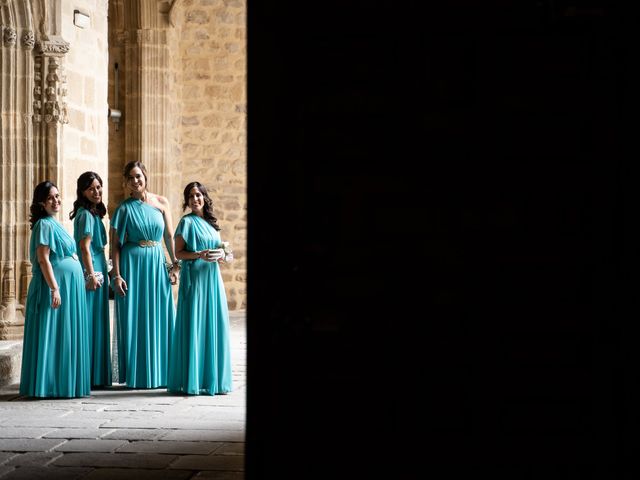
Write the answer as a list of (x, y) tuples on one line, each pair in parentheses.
[(182, 92)]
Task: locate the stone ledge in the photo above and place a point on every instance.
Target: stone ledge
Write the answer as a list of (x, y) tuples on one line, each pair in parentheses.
[(10, 361)]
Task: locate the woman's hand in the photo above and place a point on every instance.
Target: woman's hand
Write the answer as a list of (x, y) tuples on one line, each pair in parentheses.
[(213, 255), (92, 283), (56, 301), (119, 285)]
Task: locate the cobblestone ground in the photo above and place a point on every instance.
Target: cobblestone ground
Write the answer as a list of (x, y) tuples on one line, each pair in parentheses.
[(119, 433)]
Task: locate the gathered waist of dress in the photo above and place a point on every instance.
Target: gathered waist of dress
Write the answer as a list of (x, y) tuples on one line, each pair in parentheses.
[(147, 243)]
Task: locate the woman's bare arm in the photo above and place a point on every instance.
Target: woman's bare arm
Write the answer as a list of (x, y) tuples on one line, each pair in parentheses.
[(120, 285), (42, 253)]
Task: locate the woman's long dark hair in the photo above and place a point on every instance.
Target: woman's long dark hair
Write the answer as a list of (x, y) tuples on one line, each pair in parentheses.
[(207, 209), (40, 195), (84, 181)]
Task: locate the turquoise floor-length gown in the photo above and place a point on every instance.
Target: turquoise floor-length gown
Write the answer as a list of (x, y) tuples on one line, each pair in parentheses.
[(55, 354), (200, 360), (146, 314), (86, 224)]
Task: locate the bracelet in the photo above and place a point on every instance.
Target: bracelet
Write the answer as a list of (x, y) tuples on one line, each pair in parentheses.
[(118, 276), (53, 290), (171, 266)]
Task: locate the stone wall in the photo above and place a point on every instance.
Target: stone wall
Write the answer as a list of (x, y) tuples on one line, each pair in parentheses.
[(85, 136), (212, 72)]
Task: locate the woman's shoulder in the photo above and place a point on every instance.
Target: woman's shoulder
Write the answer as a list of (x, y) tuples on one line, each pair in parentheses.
[(82, 212), (187, 219), (46, 224), (158, 201), (48, 220)]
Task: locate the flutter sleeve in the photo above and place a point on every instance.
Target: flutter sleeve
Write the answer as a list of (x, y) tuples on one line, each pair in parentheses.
[(187, 232), (83, 225), (44, 234), (119, 221)]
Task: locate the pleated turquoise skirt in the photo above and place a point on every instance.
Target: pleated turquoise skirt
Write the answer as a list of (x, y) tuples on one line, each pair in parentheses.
[(99, 326), (200, 360), (56, 353)]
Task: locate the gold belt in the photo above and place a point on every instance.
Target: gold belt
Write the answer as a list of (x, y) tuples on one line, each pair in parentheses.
[(148, 243)]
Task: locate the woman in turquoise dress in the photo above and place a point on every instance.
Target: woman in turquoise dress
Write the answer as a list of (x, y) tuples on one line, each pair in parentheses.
[(200, 361), (144, 306), (91, 238), (55, 352)]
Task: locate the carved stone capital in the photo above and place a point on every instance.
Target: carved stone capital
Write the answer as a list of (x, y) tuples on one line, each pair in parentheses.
[(49, 93), (28, 39), (52, 46), (9, 36)]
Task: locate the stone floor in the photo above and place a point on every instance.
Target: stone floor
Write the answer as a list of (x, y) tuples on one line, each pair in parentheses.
[(118, 433)]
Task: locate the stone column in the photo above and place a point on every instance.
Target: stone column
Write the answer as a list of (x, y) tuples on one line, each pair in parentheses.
[(16, 72), (49, 107), (33, 110), (144, 33)]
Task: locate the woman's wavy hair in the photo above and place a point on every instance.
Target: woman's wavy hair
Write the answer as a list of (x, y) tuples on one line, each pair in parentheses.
[(40, 194), (207, 210), (84, 181)]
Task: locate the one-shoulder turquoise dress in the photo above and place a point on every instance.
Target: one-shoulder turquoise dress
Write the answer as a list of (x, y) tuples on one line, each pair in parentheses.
[(85, 224), (55, 354), (200, 360), (146, 314)]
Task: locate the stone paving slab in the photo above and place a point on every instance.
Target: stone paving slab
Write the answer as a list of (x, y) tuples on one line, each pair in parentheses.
[(4, 456), (29, 432), (175, 423), (70, 433), (151, 409), (205, 435), (86, 445), (135, 434), (129, 473), (28, 444), (220, 475), (210, 462), (122, 397), (65, 422), (46, 473), (212, 412), (106, 416), (33, 459), (119, 460), (235, 448), (178, 448)]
